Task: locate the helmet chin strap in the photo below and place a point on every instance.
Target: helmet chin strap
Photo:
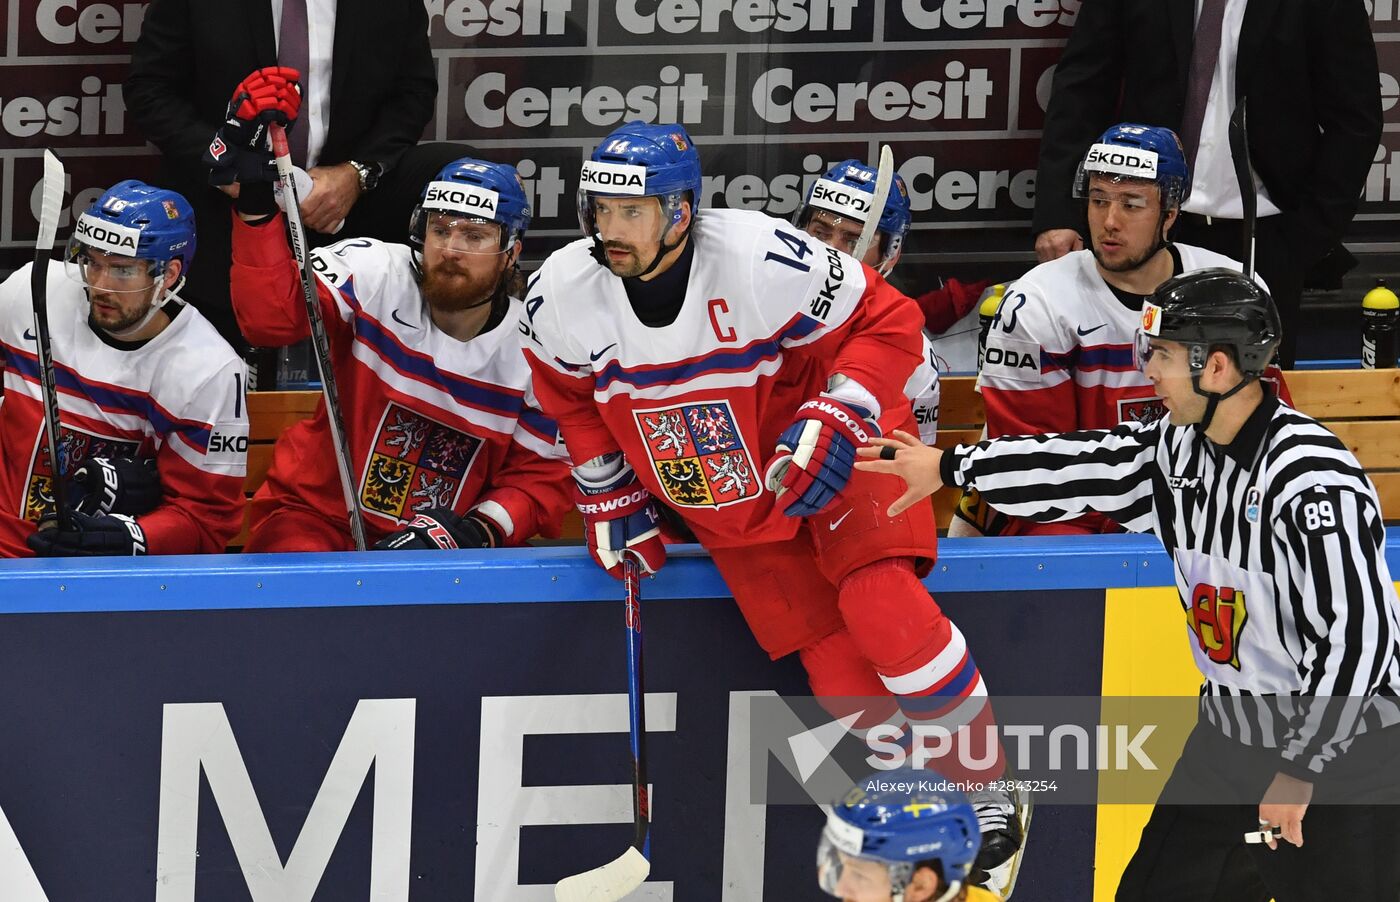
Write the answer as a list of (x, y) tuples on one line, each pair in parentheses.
[(1213, 398)]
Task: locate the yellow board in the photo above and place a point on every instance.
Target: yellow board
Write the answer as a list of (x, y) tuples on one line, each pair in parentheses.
[(1145, 654)]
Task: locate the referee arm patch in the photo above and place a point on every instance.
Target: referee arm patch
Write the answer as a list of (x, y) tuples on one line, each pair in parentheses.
[(1319, 512)]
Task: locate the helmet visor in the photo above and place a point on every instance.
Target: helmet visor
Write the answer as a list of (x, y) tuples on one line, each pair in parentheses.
[(632, 219), (445, 231), (107, 272)]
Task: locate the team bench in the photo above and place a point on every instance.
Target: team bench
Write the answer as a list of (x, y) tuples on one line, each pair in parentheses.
[(1361, 406)]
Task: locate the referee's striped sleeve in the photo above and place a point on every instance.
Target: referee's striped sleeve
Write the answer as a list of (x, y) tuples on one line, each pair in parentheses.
[(1058, 477), (1333, 544)]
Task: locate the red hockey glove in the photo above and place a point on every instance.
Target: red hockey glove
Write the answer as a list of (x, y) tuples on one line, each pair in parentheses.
[(619, 514), (817, 453), (240, 151), (439, 527)]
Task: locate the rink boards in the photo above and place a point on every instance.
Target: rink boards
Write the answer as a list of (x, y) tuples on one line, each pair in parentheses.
[(415, 726)]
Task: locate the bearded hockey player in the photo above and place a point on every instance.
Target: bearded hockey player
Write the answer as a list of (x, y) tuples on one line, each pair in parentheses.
[(448, 447), (727, 366), (1060, 351), (901, 835), (153, 429)]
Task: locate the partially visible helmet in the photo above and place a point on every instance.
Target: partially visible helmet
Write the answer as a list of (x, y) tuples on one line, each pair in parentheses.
[(1144, 152), (847, 190), (901, 818), (476, 190), (133, 219), (640, 160), (1215, 306)]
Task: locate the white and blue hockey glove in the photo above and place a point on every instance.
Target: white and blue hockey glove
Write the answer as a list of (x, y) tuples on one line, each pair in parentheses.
[(817, 453), (619, 514)]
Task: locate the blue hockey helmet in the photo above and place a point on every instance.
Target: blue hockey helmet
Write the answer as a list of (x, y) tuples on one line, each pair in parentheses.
[(901, 818), (640, 160), (847, 190), (1145, 152), (133, 219), (476, 190)]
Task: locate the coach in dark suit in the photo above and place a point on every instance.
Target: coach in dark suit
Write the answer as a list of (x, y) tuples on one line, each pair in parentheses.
[(1308, 69), (383, 87)]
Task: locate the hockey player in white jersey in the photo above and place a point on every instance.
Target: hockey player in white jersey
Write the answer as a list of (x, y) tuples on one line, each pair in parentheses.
[(835, 212), (1291, 612), (1059, 353), (152, 423), (726, 365), (448, 448)]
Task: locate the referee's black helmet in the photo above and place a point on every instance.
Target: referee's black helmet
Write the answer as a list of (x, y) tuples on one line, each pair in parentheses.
[(1212, 307)]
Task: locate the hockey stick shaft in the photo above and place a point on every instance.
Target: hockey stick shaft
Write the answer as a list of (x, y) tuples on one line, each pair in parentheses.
[(319, 342), (1244, 173), (884, 175), (616, 879), (51, 204)]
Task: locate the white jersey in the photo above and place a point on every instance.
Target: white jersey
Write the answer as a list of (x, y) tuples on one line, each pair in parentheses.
[(177, 398), (769, 315), (924, 392)]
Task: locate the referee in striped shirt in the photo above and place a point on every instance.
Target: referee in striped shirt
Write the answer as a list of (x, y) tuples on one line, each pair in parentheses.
[(1279, 552)]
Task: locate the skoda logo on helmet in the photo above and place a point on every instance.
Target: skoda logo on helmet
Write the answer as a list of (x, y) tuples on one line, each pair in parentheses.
[(454, 197), (613, 178), (838, 198), (1124, 161), (108, 237)]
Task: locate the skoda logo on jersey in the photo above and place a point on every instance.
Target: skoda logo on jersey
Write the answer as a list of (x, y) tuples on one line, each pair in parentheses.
[(454, 197), (1115, 160), (106, 236), (613, 178), (839, 199)]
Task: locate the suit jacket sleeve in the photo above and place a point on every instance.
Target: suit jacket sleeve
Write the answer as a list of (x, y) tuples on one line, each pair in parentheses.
[(1083, 100), (405, 110), (1346, 95), (156, 89)]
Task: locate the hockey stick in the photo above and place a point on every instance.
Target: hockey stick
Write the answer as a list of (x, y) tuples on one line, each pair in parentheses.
[(54, 178), (319, 342), (617, 878), (884, 175), (1244, 172)]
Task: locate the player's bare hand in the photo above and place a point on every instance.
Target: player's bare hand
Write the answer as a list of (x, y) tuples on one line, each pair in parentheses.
[(903, 455), (1285, 803), (1053, 244), (336, 188)]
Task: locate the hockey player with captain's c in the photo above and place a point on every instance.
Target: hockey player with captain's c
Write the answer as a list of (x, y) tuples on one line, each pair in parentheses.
[(1279, 552), (725, 366), (152, 414), (901, 835), (1059, 352), (447, 446)]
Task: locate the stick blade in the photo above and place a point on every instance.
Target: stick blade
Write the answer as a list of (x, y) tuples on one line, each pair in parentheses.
[(609, 883), (52, 201), (884, 173)]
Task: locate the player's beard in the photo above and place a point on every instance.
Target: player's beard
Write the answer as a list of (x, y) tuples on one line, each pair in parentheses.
[(114, 313), (450, 289), (1124, 264), (629, 267)]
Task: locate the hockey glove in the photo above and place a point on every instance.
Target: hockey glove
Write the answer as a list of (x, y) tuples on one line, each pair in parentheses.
[(817, 453), (619, 514), (240, 151), (87, 536), (438, 527), (115, 485)]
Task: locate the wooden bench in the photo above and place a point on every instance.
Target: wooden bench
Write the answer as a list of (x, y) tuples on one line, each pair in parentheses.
[(1361, 406)]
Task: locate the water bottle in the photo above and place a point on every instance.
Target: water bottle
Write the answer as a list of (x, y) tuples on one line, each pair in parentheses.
[(986, 312), (1379, 311)]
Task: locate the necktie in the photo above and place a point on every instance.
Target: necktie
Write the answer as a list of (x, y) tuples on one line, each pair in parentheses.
[(1205, 54), (293, 49)]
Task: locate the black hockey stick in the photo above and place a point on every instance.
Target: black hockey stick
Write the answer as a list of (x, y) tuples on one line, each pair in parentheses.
[(49, 208), (1244, 172), (617, 878), (884, 176), (319, 342)]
